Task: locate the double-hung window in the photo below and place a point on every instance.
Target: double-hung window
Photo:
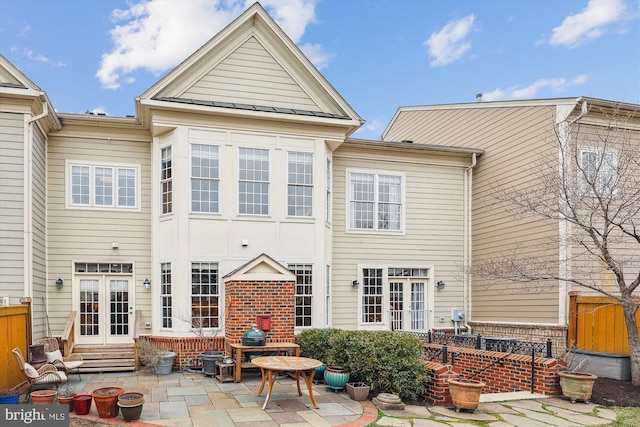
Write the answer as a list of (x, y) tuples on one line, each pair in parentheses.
[(166, 295), (300, 184), (104, 186), (253, 186), (375, 201), (166, 179), (599, 171), (303, 293), (205, 178), (205, 295), (372, 295)]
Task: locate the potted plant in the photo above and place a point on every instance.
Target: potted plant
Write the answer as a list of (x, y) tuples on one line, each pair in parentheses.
[(43, 397), (465, 393), (11, 395), (205, 362), (156, 356), (575, 384), (130, 405), (106, 399), (66, 395), (314, 344)]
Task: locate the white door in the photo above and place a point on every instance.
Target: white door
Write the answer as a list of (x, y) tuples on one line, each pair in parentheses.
[(105, 309), (407, 305)]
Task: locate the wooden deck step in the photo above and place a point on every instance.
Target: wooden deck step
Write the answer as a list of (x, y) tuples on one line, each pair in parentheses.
[(107, 358)]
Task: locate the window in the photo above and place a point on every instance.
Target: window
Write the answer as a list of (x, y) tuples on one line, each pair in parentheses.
[(599, 171), (372, 295), (328, 201), (253, 191), (303, 293), (205, 295), (300, 184), (166, 179), (375, 201), (103, 186), (166, 299), (205, 178)]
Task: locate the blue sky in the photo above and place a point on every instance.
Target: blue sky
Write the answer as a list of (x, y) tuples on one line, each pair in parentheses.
[(97, 55)]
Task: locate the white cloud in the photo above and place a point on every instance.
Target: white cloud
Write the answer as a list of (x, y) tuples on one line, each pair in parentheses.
[(41, 58), (555, 85), (450, 43), (371, 129), (316, 54), (155, 35), (589, 24)]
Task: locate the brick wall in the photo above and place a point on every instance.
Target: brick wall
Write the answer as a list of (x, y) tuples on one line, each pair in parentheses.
[(512, 373), (246, 299), (531, 333), (188, 348)]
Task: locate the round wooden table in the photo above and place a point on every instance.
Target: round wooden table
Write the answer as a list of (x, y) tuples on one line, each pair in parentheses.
[(271, 366)]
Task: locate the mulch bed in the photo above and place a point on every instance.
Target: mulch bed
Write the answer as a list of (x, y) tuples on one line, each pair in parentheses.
[(610, 392)]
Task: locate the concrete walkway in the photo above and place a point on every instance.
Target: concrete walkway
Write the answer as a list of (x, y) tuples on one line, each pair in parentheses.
[(188, 399)]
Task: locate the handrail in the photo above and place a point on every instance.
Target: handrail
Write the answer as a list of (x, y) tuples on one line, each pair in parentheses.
[(68, 335)]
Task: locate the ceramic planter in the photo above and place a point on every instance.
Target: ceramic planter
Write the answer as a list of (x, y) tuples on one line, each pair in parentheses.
[(106, 399), (336, 377), (577, 385), (10, 399), (131, 412), (43, 397), (318, 378), (358, 391), (165, 364), (82, 403), (131, 398), (465, 393), (209, 359)]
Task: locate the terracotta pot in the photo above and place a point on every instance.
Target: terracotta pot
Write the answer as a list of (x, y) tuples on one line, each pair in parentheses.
[(82, 403), (66, 401), (577, 385), (106, 399), (43, 397), (131, 412), (465, 393)]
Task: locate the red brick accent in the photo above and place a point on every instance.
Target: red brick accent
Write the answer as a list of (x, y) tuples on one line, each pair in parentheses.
[(188, 348), (513, 373), (246, 299)]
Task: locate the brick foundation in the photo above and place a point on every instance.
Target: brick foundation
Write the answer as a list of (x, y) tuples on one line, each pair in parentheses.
[(511, 374), (188, 348)]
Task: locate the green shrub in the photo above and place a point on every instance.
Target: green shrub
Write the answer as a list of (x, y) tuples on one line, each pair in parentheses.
[(390, 362), (314, 343)]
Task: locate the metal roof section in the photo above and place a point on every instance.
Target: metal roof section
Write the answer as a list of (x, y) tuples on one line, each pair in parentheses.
[(248, 107)]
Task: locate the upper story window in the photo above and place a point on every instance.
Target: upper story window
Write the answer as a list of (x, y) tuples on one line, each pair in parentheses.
[(375, 201), (205, 178), (599, 171), (104, 186), (300, 184), (253, 185), (166, 179)]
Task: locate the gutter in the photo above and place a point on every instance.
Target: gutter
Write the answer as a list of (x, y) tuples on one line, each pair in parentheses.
[(468, 196)]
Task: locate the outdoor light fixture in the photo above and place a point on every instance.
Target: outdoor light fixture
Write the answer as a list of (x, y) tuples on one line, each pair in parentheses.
[(59, 283), (440, 284), (355, 283), (146, 283)]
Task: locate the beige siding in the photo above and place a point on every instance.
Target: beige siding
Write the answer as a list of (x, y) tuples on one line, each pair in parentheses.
[(7, 77), (12, 203), (39, 231), (433, 236), (86, 235), (251, 75), (511, 138)]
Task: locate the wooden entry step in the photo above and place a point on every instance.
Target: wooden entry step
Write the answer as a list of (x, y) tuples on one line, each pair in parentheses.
[(107, 358)]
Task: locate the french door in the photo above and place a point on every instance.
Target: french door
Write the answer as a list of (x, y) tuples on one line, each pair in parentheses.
[(104, 305), (407, 310)]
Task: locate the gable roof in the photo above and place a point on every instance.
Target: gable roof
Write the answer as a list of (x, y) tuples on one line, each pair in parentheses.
[(251, 68), (261, 268)]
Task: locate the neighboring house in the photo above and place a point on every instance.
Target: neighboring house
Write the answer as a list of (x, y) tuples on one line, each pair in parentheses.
[(235, 185), (513, 134)]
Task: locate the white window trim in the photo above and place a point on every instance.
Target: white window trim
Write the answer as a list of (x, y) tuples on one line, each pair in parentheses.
[(270, 183), (92, 206), (312, 185), (375, 230), (329, 190), (161, 181), (219, 179), (598, 151)]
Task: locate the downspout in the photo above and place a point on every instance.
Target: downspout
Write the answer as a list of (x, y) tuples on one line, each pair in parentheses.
[(466, 286), (28, 201), (564, 227)]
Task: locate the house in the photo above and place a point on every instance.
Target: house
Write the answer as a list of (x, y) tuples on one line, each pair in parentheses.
[(235, 191), (514, 135)]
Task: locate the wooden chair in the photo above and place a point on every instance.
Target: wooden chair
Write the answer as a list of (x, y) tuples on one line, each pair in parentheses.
[(70, 364), (46, 375)]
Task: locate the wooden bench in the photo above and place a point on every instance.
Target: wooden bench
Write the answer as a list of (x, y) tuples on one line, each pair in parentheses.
[(238, 350)]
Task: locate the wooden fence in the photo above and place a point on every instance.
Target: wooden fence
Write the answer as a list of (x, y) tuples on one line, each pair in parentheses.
[(597, 324), (14, 325)]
